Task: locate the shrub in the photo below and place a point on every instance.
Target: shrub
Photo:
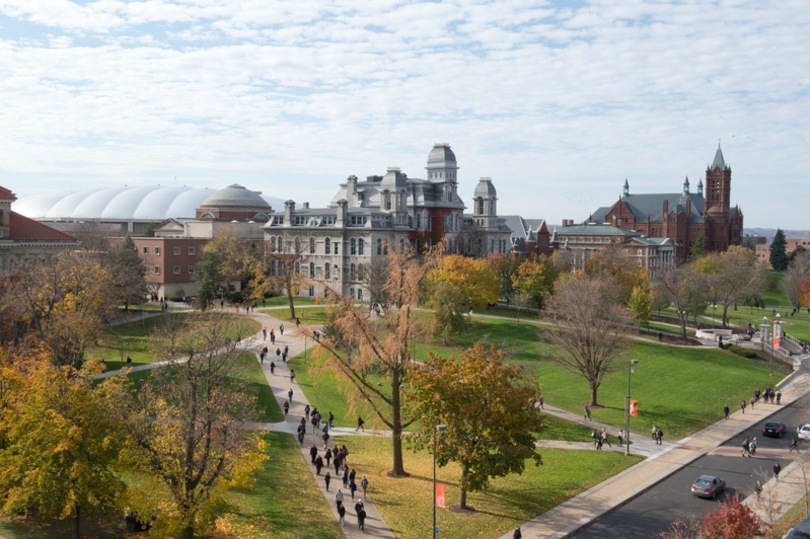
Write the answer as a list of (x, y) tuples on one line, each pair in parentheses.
[(742, 352)]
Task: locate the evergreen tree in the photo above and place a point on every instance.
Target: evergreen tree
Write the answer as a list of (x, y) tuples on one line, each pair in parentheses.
[(779, 258), (748, 243), (698, 247), (206, 277)]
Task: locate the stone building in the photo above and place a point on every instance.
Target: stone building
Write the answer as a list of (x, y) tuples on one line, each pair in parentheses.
[(682, 217)]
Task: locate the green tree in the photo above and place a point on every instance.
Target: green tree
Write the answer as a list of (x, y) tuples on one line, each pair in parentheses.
[(779, 258), (641, 305), (748, 243), (589, 325), (447, 303), (535, 278), (488, 409), (505, 267), (187, 424), (128, 274), (206, 277), (698, 248), (60, 442)]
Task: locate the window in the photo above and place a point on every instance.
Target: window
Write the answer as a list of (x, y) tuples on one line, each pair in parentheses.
[(311, 245), (272, 244), (638, 252), (146, 250), (352, 272), (327, 245), (327, 271), (311, 291), (419, 221), (176, 270), (297, 268), (361, 244), (351, 293), (359, 294), (336, 248), (176, 251), (191, 269), (312, 270), (353, 246), (192, 251), (157, 270), (157, 251)]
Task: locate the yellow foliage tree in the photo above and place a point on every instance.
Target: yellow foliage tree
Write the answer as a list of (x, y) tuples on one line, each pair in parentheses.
[(535, 278), (475, 279)]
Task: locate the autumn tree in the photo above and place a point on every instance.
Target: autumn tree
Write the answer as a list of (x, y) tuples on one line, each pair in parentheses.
[(797, 271), (287, 254), (357, 344), (62, 301), (733, 520), (641, 304), (731, 276), (778, 251), (448, 306), (229, 251), (128, 274), (535, 278), (625, 272), (505, 267), (60, 442), (487, 407), (187, 423), (685, 290), (374, 276), (589, 325), (474, 278)]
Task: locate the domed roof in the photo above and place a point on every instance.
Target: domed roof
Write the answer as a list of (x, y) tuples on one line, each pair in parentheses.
[(485, 189), (236, 195), (441, 153)]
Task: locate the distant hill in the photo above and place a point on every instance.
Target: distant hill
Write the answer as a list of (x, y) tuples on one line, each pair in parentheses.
[(769, 233)]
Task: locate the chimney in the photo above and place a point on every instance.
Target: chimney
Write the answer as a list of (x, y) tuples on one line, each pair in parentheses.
[(306, 205), (342, 212), (289, 208)]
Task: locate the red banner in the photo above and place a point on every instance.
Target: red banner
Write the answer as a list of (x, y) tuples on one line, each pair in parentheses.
[(439, 495), (634, 408), (776, 342)]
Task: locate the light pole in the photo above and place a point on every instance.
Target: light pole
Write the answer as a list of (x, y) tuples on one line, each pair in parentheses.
[(437, 429), (714, 313), (627, 406)]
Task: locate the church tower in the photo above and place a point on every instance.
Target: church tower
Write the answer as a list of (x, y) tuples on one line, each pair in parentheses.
[(485, 204), (718, 184)]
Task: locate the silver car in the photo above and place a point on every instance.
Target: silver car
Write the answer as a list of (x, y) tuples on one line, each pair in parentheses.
[(804, 432), (708, 486)]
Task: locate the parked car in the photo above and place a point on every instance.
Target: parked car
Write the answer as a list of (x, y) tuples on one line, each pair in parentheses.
[(777, 429), (708, 486), (804, 432), (801, 531)]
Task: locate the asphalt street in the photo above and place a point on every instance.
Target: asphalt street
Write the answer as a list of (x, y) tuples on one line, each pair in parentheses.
[(653, 511)]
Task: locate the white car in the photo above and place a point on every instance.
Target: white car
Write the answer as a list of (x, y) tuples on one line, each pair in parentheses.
[(804, 432)]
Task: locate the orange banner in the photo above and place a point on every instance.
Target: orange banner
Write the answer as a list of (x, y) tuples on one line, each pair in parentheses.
[(439, 495), (776, 342), (634, 408)]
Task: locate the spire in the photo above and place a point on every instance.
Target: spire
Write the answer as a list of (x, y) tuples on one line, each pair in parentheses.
[(700, 187), (626, 190), (719, 162), (686, 186)]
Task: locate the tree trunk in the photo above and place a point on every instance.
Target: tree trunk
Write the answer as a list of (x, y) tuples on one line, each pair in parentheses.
[(463, 500), (291, 301), (398, 469), (594, 390), (188, 533), (75, 531)]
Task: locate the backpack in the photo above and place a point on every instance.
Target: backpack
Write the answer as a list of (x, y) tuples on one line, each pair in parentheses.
[(325, 428), (364, 483)]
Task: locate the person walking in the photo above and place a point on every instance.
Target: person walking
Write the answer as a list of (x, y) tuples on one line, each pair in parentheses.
[(272, 337), (292, 376), (290, 394), (341, 509), (281, 329), (327, 479), (352, 487), (758, 488), (746, 448), (345, 476), (742, 405), (360, 511), (605, 437), (516, 534), (794, 446), (540, 400), (360, 424), (306, 410), (313, 452), (752, 447), (753, 400), (264, 334), (726, 411), (594, 437), (659, 436), (587, 412), (364, 486), (286, 408), (777, 469), (621, 437), (318, 465), (331, 419), (328, 456)]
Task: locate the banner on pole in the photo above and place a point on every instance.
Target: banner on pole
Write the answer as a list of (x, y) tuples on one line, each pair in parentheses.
[(776, 343), (634, 408), (439, 495)]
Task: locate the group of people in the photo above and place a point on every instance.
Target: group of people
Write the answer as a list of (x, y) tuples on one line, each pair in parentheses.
[(749, 447), (657, 435), (600, 438)]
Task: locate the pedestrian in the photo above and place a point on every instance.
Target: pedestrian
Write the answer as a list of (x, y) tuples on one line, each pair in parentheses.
[(587, 412), (778, 396), (757, 394), (753, 400), (758, 488), (345, 476), (746, 448), (599, 442), (360, 424), (286, 408), (516, 534), (313, 452), (742, 405), (272, 337), (360, 511), (726, 410), (660, 337), (281, 329), (292, 376), (325, 437), (261, 358), (352, 487), (327, 479), (272, 367), (328, 456), (297, 322), (621, 437), (605, 437), (278, 353), (364, 486), (306, 411), (752, 447), (318, 464), (777, 468), (659, 436), (794, 446), (290, 394), (594, 436), (301, 432), (331, 419), (653, 432), (341, 509), (286, 350), (264, 334), (540, 400)]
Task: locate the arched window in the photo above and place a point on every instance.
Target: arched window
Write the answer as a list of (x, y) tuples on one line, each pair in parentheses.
[(352, 272), (327, 271), (353, 246), (311, 245), (272, 244), (297, 245), (359, 272), (351, 293), (361, 246), (327, 244), (312, 270), (419, 221)]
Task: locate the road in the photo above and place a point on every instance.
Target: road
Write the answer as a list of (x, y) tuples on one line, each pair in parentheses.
[(653, 511)]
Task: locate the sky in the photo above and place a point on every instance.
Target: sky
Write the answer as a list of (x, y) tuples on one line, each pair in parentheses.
[(557, 101)]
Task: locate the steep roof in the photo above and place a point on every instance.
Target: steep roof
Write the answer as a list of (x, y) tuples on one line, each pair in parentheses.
[(6, 194), (719, 162), (596, 230), (652, 205), (25, 229)]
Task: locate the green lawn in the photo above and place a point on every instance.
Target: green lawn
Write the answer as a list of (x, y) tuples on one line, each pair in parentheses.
[(268, 408), (406, 504)]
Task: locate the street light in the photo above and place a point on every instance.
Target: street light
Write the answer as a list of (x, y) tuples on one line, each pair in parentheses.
[(627, 406), (436, 430)]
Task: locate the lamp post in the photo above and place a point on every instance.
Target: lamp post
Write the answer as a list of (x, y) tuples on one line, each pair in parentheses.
[(437, 429), (627, 407), (714, 313)]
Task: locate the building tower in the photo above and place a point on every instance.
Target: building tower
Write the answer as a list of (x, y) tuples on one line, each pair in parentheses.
[(718, 184)]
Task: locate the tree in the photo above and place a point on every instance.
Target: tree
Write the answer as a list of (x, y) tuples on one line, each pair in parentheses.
[(797, 271), (778, 258), (698, 248), (285, 267), (804, 292), (641, 305), (357, 344), (128, 274), (488, 410), (448, 306), (535, 278), (230, 251), (505, 267), (474, 278), (374, 276), (626, 274), (62, 301), (685, 289), (733, 520), (748, 243), (187, 423), (60, 441), (589, 326), (684, 527), (732, 276), (206, 277)]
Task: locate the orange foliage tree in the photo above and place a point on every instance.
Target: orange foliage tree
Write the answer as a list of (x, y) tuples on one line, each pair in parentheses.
[(733, 520)]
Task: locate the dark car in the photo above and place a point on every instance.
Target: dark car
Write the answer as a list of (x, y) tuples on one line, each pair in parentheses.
[(776, 429), (708, 486)]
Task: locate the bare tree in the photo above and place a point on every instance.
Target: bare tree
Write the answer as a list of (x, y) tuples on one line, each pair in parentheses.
[(731, 277), (374, 276), (287, 255), (684, 527), (589, 326), (685, 289)]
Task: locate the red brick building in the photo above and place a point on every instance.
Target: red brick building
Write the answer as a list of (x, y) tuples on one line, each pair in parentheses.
[(682, 217)]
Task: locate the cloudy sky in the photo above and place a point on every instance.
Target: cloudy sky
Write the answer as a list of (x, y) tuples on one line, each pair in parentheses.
[(558, 102)]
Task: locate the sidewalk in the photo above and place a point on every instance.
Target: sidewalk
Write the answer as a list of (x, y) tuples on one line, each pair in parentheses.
[(575, 513), (280, 384)]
